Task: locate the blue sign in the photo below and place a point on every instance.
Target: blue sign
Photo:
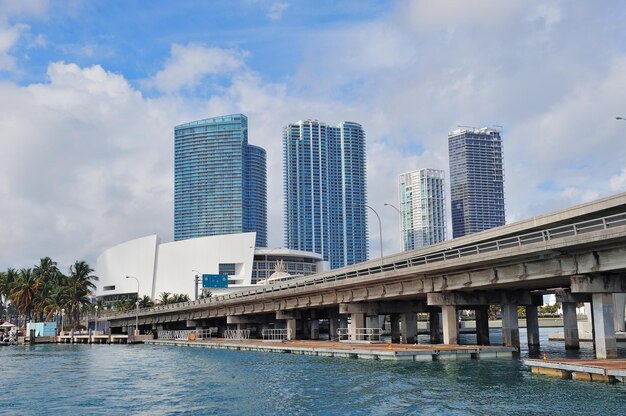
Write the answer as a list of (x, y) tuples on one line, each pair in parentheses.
[(215, 281)]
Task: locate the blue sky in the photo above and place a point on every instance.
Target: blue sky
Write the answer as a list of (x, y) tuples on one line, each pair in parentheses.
[(90, 92)]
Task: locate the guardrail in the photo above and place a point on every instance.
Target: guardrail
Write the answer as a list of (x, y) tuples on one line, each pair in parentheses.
[(175, 334), (360, 334), (237, 334), (276, 334), (546, 235)]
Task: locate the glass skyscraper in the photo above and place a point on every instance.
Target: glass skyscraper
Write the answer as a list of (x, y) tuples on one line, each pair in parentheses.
[(476, 180), (422, 208), (325, 190), (220, 181)]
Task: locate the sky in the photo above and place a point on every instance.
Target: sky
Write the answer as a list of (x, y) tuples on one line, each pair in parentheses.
[(90, 92)]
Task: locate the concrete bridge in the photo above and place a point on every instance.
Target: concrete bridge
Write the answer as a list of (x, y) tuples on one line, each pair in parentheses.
[(578, 253)]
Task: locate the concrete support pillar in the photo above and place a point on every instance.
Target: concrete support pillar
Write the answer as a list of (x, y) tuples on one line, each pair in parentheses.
[(619, 305), (482, 325), (372, 322), (606, 345), (291, 329), (570, 326), (409, 328), (315, 329), (343, 321), (357, 320), (395, 328), (241, 327), (450, 325), (333, 325), (434, 320), (510, 327), (532, 325)]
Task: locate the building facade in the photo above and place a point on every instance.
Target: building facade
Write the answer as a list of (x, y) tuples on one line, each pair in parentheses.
[(476, 180), (220, 181), (422, 208), (172, 267), (325, 190)]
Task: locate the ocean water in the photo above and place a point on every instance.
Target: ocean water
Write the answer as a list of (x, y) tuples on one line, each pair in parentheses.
[(161, 380)]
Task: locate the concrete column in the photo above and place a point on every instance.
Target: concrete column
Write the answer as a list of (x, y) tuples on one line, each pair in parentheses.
[(510, 327), (434, 319), (333, 325), (291, 329), (606, 345), (343, 321), (241, 327), (315, 329), (532, 325), (409, 328), (619, 305), (357, 320), (394, 318), (570, 326), (482, 325), (450, 325), (372, 322)]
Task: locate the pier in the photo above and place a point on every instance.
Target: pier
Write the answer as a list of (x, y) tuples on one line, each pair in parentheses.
[(373, 351), (587, 370)]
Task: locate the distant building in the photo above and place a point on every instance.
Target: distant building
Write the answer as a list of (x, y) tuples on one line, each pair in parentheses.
[(422, 208), (476, 180), (171, 267), (220, 181), (325, 190)]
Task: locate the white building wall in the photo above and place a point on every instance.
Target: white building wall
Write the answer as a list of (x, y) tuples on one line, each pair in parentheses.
[(133, 258), (176, 261)]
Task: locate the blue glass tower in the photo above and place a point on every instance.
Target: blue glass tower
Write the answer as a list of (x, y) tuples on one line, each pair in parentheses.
[(476, 180), (220, 181), (325, 189)]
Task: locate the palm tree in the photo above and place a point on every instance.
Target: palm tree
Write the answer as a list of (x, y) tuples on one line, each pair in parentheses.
[(57, 300), (164, 298), (180, 297), (80, 284), (23, 291), (146, 302)]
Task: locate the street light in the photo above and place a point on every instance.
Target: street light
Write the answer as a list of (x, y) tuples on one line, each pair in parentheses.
[(196, 281), (62, 314), (137, 313), (95, 325), (399, 213), (380, 227), (394, 207)]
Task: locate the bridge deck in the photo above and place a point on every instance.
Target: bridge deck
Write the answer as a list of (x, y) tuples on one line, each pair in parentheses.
[(380, 351)]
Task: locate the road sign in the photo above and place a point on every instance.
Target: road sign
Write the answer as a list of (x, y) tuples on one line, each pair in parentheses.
[(214, 281)]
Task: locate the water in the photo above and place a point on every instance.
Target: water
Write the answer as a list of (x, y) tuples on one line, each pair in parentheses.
[(155, 380)]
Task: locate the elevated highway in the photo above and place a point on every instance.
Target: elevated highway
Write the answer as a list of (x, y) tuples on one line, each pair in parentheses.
[(579, 252)]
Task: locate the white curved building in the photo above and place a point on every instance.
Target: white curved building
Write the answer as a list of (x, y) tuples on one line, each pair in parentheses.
[(172, 267)]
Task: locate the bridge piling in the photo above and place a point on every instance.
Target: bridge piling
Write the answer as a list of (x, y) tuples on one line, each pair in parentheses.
[(570, 326), (394, 319), (606, 344), (532, 325), (510, 326), (482, 325)]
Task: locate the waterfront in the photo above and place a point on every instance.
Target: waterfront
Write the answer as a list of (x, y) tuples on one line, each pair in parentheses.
[(142, 379)]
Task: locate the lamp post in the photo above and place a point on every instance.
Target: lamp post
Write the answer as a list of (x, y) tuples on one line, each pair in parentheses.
[(137, 310), (196, 282), (62, 315), (380, 228)]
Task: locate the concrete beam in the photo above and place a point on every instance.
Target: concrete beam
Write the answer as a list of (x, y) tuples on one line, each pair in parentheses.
[(383, 308), (249, 319), (566, 295), (288, 315), (602, 283), (480, 298)]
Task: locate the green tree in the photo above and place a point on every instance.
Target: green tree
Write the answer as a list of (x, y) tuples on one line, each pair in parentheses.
[(165, 298), (80, 285), (23, 290), (146, 302)]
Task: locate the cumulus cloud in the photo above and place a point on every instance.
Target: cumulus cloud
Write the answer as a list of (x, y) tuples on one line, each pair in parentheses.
[(189, 64), (618, 182)]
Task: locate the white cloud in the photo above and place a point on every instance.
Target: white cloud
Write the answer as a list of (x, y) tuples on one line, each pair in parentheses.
[(9, 36), (189, 64), (618, 182), (276, 10)]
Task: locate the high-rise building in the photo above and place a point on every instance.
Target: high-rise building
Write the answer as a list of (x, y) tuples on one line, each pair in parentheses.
[(476, 180), (422, 208), (325, 191), (220, 181)]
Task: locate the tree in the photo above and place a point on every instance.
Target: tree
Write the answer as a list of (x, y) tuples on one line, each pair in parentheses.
[(23, 290), (179, 297), (205, 294), (164, 298), (146, 302), (80, 284)]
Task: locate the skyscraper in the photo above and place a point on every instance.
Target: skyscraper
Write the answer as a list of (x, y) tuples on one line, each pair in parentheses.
[(476, 180), (422, 208), (325, 192), (220, 181)]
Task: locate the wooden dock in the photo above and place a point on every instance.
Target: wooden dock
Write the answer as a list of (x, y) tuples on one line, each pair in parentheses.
[(609, 371), (395, 352)]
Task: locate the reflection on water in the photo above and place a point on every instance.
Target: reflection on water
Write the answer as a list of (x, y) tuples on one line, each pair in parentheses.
[(142, 379)]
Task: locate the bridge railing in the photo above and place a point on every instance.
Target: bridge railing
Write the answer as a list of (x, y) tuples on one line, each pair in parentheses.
[(182, 334), (237, 334), (545, 236), (360, 334), (276, 334)]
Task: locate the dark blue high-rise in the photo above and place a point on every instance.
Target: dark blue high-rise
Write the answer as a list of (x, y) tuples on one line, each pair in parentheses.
[(220, 181), (476, 180)]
